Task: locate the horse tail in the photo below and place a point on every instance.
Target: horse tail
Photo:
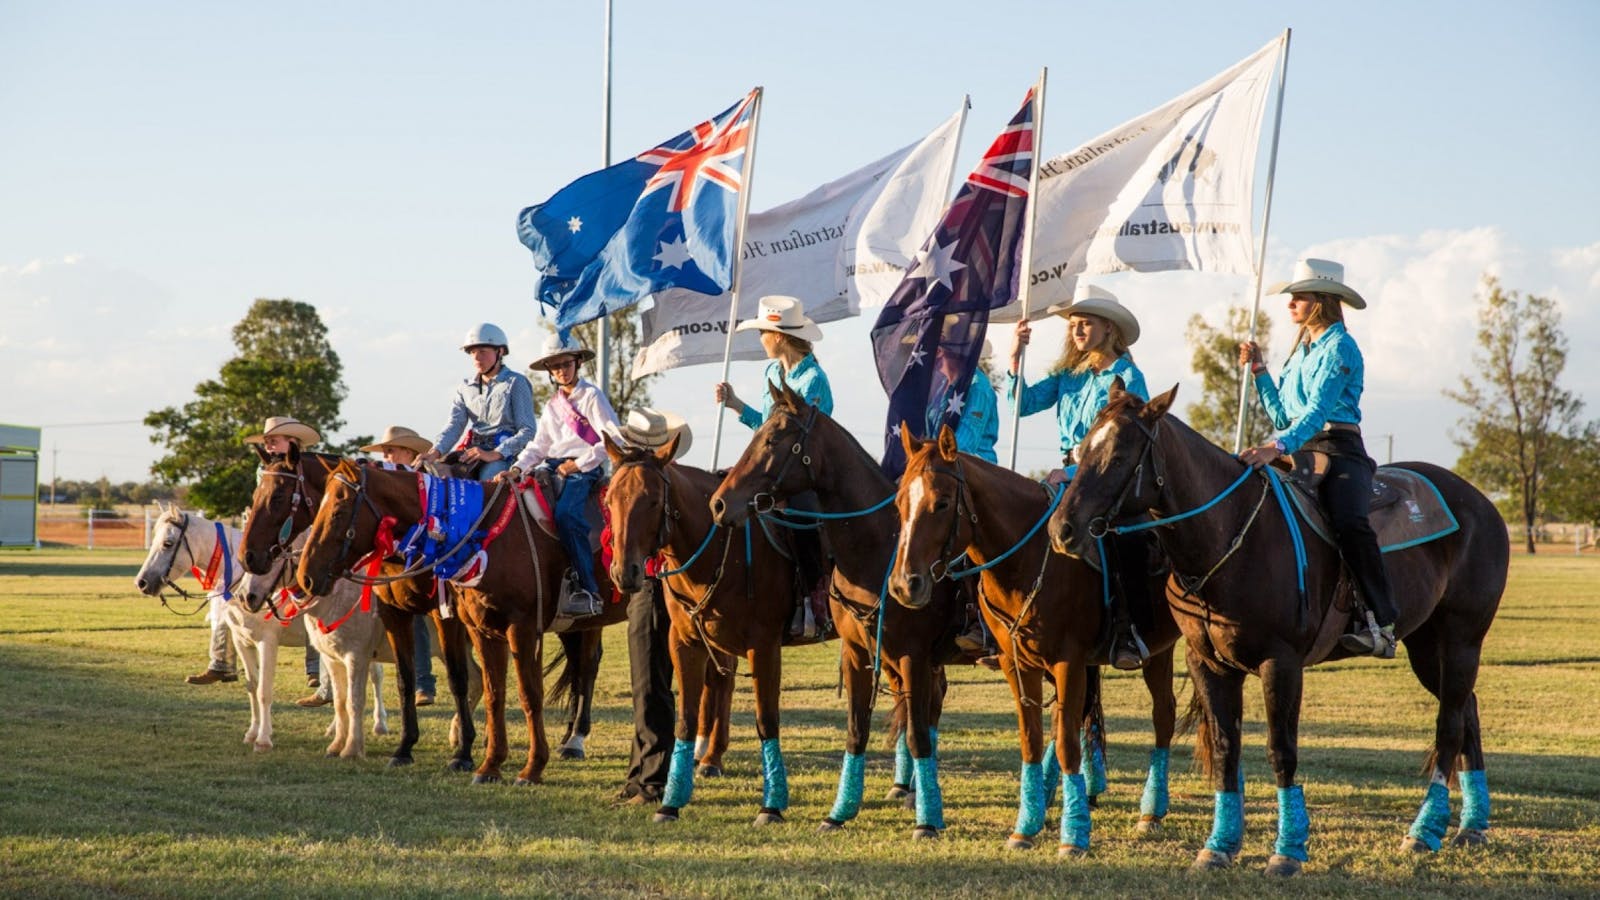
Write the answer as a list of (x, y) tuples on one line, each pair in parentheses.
[(567, 657), (1094, 716), (1194, 718), (899, 721), (1430, 764)]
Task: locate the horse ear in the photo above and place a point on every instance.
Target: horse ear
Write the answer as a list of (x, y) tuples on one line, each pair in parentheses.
[(797, 400), (947, 443), (1158, 406), (294, 453), (612, 450), (1117, 390), (261, 452), (907, 439), (777, 392), (669, 450)]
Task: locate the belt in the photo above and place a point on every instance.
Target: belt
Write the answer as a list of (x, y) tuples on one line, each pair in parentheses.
[(1342, 426)]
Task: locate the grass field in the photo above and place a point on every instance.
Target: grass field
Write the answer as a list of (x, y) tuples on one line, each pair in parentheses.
[(122, 780)]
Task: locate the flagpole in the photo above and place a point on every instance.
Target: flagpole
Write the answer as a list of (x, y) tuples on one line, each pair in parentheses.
[(603, 352), (738, 266), (1245, 381), (1026, 277)]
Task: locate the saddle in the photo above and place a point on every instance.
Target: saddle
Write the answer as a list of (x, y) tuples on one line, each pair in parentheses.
[(1406, 509), (546, 489)]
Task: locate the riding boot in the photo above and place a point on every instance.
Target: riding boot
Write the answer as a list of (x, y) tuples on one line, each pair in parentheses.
[(1130, 567)]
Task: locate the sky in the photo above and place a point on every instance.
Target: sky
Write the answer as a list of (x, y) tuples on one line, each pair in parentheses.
[(164, 164)]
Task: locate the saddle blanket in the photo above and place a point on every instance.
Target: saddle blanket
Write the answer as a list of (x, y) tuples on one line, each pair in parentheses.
[(1407, 510), (451, 508)]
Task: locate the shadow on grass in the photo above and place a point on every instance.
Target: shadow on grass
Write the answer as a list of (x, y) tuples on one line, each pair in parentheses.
[(10, 565)]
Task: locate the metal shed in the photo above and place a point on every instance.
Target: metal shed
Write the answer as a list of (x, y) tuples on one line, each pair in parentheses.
[(19, 486)]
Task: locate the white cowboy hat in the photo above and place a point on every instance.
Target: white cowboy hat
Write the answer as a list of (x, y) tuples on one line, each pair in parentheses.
[(1319, 276), (289, 428), (555, 347), (785, 315), (1094, 300), (400, 436), (652, 429)]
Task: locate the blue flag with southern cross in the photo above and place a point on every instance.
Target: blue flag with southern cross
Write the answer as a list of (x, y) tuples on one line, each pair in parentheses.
[(665, 218), (928, 338)]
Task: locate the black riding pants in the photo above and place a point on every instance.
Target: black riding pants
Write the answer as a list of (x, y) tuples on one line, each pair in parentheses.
[(1346, 493)]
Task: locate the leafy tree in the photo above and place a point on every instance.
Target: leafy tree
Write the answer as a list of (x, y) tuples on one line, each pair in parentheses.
[(1571, 493), (284, 367), (627, 339), (1215, 358), (1518, 414)]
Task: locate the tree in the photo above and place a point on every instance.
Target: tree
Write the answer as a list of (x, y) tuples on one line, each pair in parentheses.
[(1570, 488), (627, 339), (284, 367), (1518, 414), (1216, 360)]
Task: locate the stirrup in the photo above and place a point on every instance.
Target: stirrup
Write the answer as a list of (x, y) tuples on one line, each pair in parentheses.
[(1371, 641), (1129, 652), (580, 603)]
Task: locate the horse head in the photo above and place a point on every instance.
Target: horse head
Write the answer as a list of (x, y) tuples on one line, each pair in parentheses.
[(640, 500), (344, 528), (1118, 477), (280, 509), (168, 541), (775, 466), (936, 519)]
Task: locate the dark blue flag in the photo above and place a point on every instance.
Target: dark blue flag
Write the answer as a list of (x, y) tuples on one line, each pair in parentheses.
[(665, 218), (928, 338)]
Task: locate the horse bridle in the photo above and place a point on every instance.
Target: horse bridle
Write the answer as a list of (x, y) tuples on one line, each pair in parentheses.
[(301, 498), (946, 556), (166, 576), (1132, 483), (360, 487), (669, 514), (796, 452)]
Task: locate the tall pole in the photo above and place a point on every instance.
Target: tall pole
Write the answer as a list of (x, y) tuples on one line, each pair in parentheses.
[(1025, 282), (603, 352), (738, 267), (55, 457), (1245, 381)]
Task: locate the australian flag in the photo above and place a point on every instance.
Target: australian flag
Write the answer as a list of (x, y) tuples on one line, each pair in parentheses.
[(928, 338), (665, 218)]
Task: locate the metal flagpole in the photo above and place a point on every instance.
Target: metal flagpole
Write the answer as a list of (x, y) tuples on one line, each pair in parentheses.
[(603, 352), (1026, 278), (1245, 381), (738, 266)]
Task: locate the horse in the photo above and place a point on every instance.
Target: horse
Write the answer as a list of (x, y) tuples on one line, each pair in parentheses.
[(510, 608), (727, 598), (1246, 607), (1048, 613), (281, 508), (182, 540), (800, 449)]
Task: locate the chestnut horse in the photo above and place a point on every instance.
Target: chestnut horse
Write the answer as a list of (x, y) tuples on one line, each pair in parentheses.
[(800, 449), (1047, 611), (729, 596), (285, 498), (511, 608), (1243, 609)]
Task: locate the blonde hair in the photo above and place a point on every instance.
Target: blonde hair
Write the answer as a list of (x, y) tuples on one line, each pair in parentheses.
[(1110, 350), (802, 347), (1328, 310)]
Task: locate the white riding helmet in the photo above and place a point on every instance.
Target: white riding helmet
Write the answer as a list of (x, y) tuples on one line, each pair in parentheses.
[(485, 335)]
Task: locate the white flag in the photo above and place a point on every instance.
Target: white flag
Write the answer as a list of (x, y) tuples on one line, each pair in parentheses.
[(1172, 189), (843, 246)]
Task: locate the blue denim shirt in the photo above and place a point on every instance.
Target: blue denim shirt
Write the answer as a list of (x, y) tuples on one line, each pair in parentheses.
[(1321, 383), (807, 379), (979, 429), (1077, 396), (499, 415)]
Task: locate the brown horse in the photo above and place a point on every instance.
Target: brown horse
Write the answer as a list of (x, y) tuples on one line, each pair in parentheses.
[(1047, 611), (1243, 610), (799, 449), (511, 608), (281, 508), (730, 596)]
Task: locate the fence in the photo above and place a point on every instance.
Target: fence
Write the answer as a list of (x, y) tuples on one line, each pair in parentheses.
[(96, 529)]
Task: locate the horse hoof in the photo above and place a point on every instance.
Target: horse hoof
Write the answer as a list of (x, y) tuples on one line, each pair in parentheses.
[(1094, 801), (924, 833), (331, 754), (1149, 826), (522, 782), (262, 748), (1283, 866), (829, 826), (571, 753), (380, 729), (910, 802), (769, 816), (709, 772), (898, 792), (1071, 850), (1411, 845), (1470, 837), (1211, 859), (665, 815), (396, 762), (461, 766), (1019, 842), (485, 779)]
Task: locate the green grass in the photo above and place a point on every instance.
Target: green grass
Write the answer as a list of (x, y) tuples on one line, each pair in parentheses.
[(123, 780)]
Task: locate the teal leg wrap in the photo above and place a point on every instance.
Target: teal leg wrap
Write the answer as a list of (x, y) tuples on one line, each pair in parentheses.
[(902, 762), (1052, 774), (775, 778), (930, 803), (852, 779), (1475, 800), (1030, 810), (1433, 820), (1227, 823), (916, 770), (1094, 761), (680, 776), (1293, 823), (1154, 800), (1075, 812)]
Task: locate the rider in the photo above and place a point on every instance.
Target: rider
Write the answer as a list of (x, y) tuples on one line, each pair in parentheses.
[(568, 442), (1316, 406), (1099, 332), (787, 335), (400, 446), (278, 435), (494, 407)]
